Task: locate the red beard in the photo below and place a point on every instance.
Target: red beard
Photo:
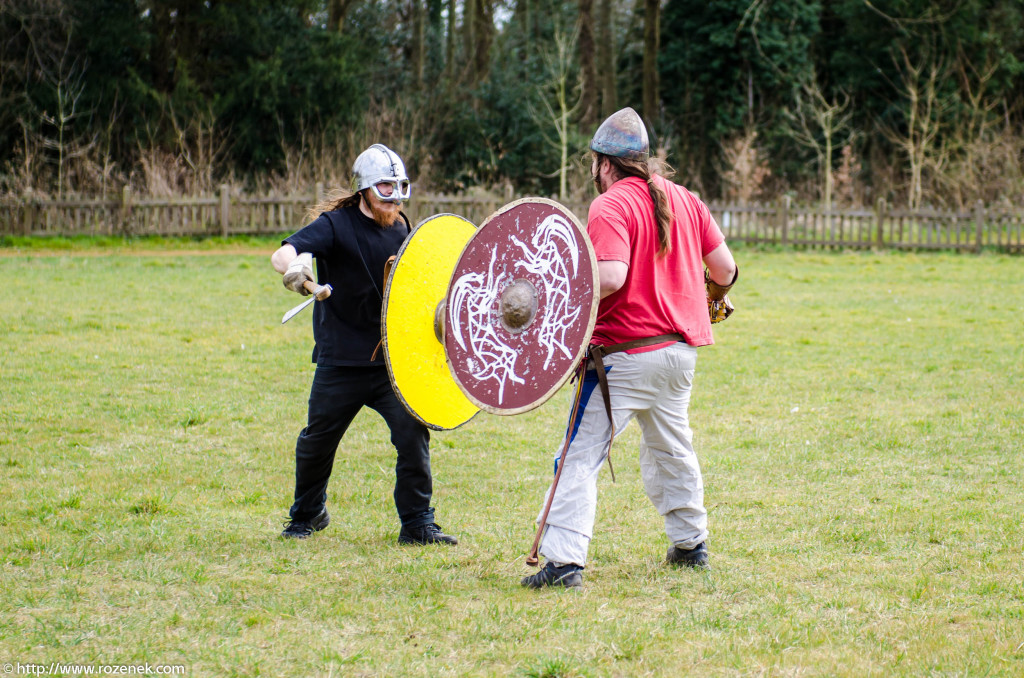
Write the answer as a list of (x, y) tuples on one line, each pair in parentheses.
[(385, 214)]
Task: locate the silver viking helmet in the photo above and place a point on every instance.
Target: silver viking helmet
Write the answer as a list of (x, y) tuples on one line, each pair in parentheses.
[(622, 135), (380, 165)]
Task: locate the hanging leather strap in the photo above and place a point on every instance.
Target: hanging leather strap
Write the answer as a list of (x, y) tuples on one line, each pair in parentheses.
[(532, 558), (388, 265), (597, 353)]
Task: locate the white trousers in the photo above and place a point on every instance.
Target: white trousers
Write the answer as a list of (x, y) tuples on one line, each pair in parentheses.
[(653, 387)]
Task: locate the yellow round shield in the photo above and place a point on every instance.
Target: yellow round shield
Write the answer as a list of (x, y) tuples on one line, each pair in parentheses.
[(415, 355)]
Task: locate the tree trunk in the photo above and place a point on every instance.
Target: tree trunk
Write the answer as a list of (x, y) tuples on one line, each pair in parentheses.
[(449, 51), (652, 32), (588, 69), (337, 10), (434, 38), (417, 48), (606, 58), (161, 48), (483, 31), (469, 38)]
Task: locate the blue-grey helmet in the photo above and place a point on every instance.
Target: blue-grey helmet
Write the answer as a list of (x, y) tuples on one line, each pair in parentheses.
[(380, 165), (622, 135)]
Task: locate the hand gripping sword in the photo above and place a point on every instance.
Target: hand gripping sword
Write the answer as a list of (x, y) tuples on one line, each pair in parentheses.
[(317, 293)]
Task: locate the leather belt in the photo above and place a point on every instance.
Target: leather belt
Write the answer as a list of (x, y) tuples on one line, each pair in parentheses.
[(597, 353)]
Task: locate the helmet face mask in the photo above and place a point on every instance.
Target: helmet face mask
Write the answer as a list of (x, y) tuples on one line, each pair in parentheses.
[(380, 165), (400, 190)]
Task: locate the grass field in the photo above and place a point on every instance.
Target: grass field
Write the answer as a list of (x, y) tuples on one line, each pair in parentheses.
[(859, 424)]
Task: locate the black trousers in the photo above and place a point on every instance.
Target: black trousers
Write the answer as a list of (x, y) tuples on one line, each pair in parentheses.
[(337, 395)]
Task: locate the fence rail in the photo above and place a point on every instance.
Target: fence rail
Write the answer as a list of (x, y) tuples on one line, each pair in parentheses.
[(783, 222)]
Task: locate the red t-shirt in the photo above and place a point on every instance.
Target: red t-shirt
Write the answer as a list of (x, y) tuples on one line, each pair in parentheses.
[(661, 295)]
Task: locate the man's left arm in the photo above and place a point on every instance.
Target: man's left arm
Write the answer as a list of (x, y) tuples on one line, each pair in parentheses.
[(720, 266)]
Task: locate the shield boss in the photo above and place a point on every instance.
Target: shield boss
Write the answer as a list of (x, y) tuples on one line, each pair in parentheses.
[(521, 306)]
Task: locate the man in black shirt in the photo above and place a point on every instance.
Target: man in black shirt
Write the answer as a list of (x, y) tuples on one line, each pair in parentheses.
[(351, 240)]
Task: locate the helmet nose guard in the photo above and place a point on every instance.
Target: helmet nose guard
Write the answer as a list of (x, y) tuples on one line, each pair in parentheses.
[(622, 135), (380, 165)]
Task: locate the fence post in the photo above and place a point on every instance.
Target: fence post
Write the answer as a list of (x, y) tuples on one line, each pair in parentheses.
[(225, 210), (784, 217), (126, 210), (28, 215), (880, 222), (318, 193), (979, 220)]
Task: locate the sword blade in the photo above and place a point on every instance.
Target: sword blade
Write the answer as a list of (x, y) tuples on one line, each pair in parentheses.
[(295, 311)]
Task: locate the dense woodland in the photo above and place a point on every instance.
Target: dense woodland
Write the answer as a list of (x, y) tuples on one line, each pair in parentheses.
[(837, 102)]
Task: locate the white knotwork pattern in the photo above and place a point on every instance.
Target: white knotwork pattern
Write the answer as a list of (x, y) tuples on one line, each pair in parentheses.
[(492, 358), (548, 261), (552, 247)]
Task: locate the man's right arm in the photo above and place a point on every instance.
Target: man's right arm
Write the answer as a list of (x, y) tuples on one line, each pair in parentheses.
[(296, 268), (282, 257), (612, 275)]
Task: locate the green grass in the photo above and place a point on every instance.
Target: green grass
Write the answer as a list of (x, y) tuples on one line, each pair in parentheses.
[(859, 424)]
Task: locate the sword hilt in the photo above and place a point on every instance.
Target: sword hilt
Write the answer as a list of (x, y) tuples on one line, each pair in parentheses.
[(321, 292)]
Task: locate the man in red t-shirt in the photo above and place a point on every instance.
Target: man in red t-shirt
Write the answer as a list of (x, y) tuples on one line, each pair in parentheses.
[(653, 239)]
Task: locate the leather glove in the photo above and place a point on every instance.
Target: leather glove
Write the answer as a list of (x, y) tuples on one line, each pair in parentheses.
[(720, 310), (299, 271), (719, 306)]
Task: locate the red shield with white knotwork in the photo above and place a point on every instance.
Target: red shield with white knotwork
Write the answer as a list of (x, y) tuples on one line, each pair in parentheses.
[(521, 306)]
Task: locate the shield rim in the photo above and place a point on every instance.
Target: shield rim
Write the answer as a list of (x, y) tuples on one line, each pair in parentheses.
[(384, 326), (591, 320)]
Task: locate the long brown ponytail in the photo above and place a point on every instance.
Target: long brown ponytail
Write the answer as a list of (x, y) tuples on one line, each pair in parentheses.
[(334, 200), (646, 169)]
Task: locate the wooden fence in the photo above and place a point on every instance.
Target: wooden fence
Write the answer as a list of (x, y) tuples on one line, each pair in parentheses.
[(782, 223), (883, 227)]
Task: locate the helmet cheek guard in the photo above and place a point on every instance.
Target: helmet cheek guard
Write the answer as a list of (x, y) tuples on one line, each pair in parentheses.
[(622, 135), (378, 168)]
